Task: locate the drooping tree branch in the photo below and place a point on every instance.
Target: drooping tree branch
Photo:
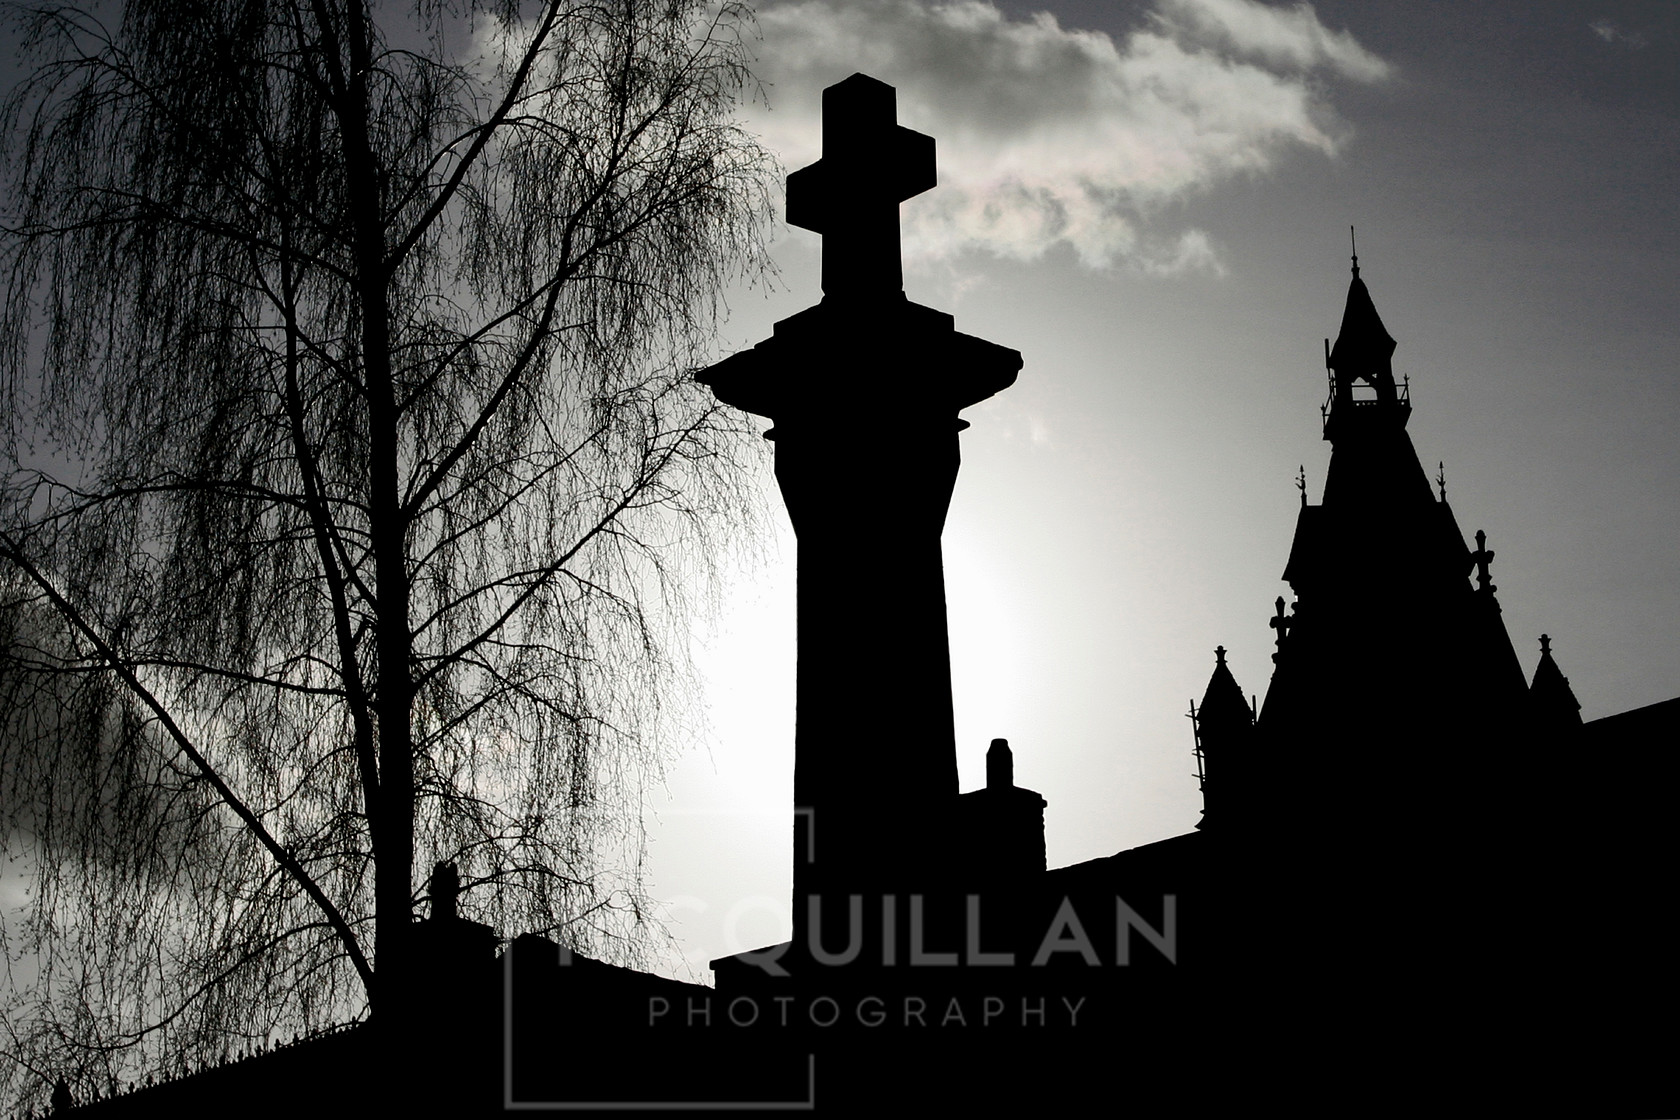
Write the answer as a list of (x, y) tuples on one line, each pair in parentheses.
[(348, 405), (209, 773)]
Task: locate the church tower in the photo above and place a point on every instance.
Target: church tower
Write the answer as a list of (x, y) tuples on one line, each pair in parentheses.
[(1397, 692), (1390, 796)]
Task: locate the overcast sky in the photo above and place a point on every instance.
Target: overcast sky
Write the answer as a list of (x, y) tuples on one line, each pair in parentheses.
[(1151, 202)]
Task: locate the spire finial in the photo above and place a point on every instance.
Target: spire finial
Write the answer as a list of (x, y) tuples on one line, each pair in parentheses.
[(1355, 246), (1282, 624), (1545, 645), (1219, 655), (1441, 478), (1301, 483)]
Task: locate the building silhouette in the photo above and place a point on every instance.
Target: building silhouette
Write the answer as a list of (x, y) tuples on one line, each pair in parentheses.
[(1419, 882)]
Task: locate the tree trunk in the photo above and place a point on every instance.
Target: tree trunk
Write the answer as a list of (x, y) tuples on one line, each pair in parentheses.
[(392, 827)]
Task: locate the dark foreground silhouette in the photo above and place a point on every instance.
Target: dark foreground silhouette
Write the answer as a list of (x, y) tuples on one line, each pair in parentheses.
[(1421, 885)]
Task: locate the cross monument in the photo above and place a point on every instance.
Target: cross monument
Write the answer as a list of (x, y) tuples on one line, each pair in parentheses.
[(863, 390)]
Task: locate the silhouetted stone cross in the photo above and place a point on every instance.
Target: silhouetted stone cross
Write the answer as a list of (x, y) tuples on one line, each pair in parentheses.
[(870, 164), (1483, 556)]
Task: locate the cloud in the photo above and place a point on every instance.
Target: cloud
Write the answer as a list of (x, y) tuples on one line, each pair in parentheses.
[(1610, 33), (1049, 135), (1289, 38)]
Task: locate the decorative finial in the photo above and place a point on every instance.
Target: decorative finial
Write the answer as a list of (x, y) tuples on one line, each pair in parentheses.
[(1441, 478), (1483, 556), (1000, 765), (1355, 246), (1281, 623), (1219, 655), (445, 889), (1545, 645), (1301, 483)]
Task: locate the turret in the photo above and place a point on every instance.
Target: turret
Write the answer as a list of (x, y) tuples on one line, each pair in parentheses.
[(1556, 710), (1224, 727)]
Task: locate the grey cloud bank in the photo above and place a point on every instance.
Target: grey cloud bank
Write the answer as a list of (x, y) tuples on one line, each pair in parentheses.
[(1049, 135)]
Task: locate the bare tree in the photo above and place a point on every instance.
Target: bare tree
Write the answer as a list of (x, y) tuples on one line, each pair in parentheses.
[(353, 465)]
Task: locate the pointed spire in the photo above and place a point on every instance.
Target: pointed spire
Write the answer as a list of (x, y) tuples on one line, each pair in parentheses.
[(1550, 696), (1364, 350), (1223, 703), (1363, 347)]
